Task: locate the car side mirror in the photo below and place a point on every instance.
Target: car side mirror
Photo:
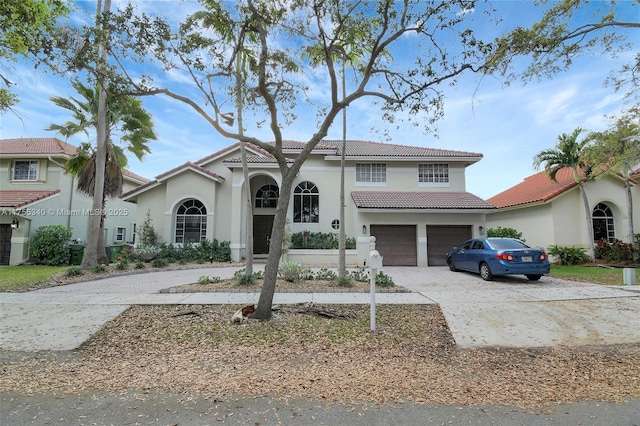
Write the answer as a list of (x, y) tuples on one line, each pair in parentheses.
[(454, 249)]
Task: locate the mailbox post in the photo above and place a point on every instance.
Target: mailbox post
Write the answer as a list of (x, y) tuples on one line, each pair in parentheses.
[(375, 263)]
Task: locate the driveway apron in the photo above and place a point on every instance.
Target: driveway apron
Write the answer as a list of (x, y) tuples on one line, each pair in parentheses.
[(510, 311)]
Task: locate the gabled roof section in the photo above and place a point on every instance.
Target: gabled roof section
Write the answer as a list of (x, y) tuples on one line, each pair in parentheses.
[(36, 147), (419, 200), (18, 198), (134, 177), (188, 166), (537, 188), (252, 150)]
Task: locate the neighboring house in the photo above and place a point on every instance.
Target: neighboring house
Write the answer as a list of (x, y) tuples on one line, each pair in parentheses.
[(549, 213), (36, 191), (412, 199)]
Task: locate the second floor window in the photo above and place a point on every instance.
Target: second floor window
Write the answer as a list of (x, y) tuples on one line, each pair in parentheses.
[(371, 172), (25, 170), (433, 173)]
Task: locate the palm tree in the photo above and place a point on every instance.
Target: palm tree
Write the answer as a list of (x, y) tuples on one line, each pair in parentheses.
[(568, 152), (125, 115)]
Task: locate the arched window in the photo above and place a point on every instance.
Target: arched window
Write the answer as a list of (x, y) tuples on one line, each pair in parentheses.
[(191, 222), (267, 196), (306, 206), (603, 228)]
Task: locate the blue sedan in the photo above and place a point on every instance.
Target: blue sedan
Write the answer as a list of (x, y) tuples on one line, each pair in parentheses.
[(499, 256)]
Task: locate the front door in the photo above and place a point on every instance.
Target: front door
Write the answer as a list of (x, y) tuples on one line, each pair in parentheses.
[(5, 244), (262, 233)]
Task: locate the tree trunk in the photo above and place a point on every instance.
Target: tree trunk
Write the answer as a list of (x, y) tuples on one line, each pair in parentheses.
[(589, 222), (101, 250), (342, 261), (265, 301), (248, 245), (248, 241), (627, 187), (90, 257)]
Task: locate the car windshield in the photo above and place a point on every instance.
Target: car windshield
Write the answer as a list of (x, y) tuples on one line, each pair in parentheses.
[(507, 244)]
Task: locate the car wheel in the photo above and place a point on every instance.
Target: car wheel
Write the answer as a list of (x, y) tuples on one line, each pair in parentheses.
[(485, 272), (533, 277), (452, 265)]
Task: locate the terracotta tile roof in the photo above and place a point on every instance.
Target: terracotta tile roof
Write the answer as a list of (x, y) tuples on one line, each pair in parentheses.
[(186, 166), (19, 198), (228, 149), (534, 189), (356, 148), (254, 159), (135, 176), (418, 200), (36, 146), (189, 165)]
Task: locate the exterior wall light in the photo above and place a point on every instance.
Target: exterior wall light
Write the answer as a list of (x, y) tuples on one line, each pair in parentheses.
[(481, 229), (15, 223), (364, 229)]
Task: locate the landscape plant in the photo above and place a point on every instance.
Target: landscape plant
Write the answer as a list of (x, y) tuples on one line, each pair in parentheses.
[(50, 245), (504, 233), (569, 255)]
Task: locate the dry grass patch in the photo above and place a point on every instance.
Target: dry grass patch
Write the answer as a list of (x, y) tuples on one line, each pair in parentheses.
[(412, 357)]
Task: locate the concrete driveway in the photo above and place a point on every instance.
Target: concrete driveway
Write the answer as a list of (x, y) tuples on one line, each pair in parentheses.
[(510, 311), (515, 312)]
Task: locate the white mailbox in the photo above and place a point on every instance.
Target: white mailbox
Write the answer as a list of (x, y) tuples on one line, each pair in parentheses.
[(375, 260)]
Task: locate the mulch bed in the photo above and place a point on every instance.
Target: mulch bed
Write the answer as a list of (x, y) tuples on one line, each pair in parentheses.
[(411, 357)]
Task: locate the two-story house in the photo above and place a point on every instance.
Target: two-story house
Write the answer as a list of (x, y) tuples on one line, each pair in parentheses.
[(35, 190), (412, 199)]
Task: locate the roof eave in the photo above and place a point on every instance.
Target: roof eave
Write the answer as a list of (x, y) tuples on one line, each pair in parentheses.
[(429, 210), (468, 160)]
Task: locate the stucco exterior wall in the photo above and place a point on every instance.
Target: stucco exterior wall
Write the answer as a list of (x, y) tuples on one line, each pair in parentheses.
[(535, 223), (561, 221)]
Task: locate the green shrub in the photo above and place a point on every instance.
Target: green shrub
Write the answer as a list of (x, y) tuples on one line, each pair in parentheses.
[(504, 233), (617, 251), (139, 265), (147, 233), (361, 275), (100, 268), (159, 263), (569, 255), (202, 252), (290, 271), (121, 265), (206, 279), (74, 271), (325, 274), (241, 277), (384, 280), (345, 281), (319, 241), (50, 245)]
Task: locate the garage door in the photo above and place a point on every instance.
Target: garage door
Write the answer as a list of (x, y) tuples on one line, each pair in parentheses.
[(396, 244), (440, 240)]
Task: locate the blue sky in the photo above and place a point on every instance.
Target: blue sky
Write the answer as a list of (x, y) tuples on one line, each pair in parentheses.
[(507, 124)]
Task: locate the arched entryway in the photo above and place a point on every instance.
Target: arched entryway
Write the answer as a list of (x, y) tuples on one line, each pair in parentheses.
[(265, 194)]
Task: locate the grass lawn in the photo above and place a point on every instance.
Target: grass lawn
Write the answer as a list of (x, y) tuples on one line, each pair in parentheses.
[(24, 277), (592, 274)]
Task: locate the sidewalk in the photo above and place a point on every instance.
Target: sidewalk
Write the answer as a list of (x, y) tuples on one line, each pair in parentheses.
[(508, 312)]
